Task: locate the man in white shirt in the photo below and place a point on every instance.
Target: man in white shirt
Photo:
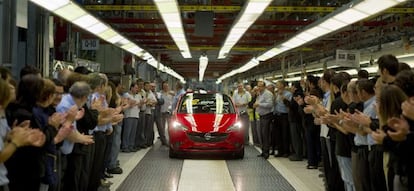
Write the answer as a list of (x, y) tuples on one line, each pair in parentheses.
[(131, 119), (150, 102), (241, 99)]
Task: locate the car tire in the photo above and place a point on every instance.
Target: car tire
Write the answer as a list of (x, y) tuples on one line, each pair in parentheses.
[(240, 154), (172, 153)]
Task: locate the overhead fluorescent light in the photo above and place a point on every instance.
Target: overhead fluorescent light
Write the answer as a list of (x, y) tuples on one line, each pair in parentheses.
[(73, 13), (51, 5), (306, 36), (371, 69), (350, 16), (318, 31), (202, 67), (373, 7), (85, 21), (269, 54), (293, 79), (249, 65), (128, 46), (105, 35), (124, 41), (70, 11), (115, 39), (350, 13), (350, 71), (134, 49), (147, 56), (294, 42), (97, 28), (171, 16), (152, 62), (249, 14), (333, 24)]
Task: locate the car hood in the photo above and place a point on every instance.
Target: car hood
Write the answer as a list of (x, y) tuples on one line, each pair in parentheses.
[(207, 122)]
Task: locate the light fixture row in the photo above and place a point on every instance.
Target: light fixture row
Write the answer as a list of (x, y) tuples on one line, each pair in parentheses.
[(251, 64), (75, 14), (348, 14), (203, 61), (171, 16), (247, 16)]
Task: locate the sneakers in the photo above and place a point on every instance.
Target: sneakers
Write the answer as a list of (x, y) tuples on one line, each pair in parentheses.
[(116, 170)]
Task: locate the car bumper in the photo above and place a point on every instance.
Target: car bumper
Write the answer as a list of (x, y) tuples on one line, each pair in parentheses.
[(187, 142)]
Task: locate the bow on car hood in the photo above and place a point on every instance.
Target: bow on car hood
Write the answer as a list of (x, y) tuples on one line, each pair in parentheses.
[(207, 122)]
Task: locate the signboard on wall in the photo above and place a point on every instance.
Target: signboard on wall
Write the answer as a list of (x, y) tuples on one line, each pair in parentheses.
[(347, 58), (90, 44)]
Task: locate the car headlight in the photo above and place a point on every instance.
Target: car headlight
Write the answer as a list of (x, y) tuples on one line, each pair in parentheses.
[(235, 127), (178, 126)]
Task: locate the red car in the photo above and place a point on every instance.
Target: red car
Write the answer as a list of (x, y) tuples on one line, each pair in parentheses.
[(205, 123)]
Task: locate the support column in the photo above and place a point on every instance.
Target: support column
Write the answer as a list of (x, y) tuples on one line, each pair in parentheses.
[(7, 21), (38, 38), (1, 32)]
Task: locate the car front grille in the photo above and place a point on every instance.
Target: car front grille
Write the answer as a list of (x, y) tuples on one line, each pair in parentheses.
[(207, 137)]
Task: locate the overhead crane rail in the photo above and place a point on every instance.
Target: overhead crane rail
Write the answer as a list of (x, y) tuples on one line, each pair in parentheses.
[(236, 48), (193, 8)]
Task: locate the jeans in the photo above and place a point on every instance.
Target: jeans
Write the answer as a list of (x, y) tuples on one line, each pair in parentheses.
[(130, 127), (116, 145), (345, 167), (139, 133)]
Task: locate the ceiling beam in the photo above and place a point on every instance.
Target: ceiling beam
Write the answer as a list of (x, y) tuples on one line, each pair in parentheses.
[(216, 30), (228, 9), (216, 21)]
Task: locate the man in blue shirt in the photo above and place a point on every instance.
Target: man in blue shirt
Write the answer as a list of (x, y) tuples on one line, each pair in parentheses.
[(264, 107), (280, 132)]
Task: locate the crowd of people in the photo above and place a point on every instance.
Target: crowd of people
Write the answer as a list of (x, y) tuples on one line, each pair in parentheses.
[(65, 134), (357, 131)]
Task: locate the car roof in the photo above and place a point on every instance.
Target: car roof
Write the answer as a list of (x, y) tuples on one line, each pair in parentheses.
[(202, 92)]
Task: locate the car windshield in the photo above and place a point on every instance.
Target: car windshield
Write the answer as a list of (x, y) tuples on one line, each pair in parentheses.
[(206, 103)]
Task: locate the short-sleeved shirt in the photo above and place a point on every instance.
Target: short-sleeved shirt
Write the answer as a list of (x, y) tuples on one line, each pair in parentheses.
[(168, 99), (242, 98), (151, 97), (132, 112)]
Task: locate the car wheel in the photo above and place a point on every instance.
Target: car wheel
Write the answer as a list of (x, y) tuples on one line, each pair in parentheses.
[(172, 153), (240, 154)]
